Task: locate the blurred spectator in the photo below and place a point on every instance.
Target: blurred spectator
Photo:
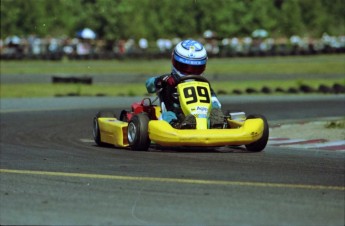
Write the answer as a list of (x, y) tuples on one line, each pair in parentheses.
[(281, 46), (342, 43), (270, 42), (120, 47), (212, 47), (247, 43), (168, 45), (296, 43), (83, 48), (68, 48), (265, 46), (164, 45), (224, 48), (35, 47), (1, 46), (130, 46), (161, 45), (143, 44), (53, 46), (236, 46)]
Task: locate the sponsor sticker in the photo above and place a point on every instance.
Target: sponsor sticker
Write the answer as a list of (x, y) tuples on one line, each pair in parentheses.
[(187, 44), (200, 111)]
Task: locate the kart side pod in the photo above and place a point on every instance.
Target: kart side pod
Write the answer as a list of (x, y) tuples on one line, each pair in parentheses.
[(113, 131)]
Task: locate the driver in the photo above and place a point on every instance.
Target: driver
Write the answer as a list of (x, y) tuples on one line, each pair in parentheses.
[(188, 58)]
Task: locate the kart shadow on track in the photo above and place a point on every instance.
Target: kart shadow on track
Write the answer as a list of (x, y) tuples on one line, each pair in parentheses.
[(157, 148), (223, 149)]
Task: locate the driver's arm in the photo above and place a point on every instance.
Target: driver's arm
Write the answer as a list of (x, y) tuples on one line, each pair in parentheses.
[(150, 85), (155, 83), (215, 101)]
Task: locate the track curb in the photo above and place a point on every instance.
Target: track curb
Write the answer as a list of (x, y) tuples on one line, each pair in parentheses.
[(308, 134)]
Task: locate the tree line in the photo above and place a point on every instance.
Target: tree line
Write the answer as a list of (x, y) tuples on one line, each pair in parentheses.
[(153, 19)]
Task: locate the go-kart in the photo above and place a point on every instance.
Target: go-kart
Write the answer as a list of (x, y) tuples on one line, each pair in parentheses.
[(141, 126)]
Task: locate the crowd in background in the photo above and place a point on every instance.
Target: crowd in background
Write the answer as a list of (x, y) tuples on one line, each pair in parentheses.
[(55, 48)]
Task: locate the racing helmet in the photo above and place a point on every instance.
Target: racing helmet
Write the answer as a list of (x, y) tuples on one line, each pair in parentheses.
[(189, 58)]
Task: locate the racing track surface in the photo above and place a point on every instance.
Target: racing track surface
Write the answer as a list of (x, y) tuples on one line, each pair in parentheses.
[(52, 174)]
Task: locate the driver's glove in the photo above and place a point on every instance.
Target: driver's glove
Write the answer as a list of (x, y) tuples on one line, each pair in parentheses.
[(215, 102), (161, 81), (150, 85)]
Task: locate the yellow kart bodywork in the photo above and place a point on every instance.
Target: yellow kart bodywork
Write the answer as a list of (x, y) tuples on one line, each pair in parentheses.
[(142, 127), (163, 134), (114, 131)]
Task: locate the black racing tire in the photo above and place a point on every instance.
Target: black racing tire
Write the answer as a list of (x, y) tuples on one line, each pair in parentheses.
[(260, 144), (123, 116), (96, 131), (138, 136)]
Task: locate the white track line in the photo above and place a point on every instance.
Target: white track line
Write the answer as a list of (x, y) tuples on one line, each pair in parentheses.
[(285, 142), (87, 140), (326, 144)]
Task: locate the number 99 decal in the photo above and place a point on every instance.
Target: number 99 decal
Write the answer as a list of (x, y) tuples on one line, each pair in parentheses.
[(193, 94)]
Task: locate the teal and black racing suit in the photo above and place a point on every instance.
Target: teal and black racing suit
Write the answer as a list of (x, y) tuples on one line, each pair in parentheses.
[(167, 83)]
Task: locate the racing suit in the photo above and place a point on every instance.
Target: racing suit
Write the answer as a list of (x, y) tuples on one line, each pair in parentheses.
[(171, 109)]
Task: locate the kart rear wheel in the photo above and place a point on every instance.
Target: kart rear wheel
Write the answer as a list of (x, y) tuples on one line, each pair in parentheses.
[(138, 136), (260, 144), (96, 131)]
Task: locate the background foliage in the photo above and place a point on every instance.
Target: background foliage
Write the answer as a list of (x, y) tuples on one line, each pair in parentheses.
[(152, 19)]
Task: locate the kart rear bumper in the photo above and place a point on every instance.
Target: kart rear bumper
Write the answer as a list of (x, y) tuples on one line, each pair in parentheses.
[(163, 134)]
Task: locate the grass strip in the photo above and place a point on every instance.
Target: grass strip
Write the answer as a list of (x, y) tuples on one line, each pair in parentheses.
[(253, 69), (255, 66), (138, 89)]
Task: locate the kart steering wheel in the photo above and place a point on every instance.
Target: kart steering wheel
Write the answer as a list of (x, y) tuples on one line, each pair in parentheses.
[(192, 77)]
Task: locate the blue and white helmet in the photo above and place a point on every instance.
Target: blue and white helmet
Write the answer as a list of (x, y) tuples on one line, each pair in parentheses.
[(189, 58)]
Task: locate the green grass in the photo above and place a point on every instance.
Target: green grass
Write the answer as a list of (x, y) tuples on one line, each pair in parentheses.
[(273, 84), (319, 64), (88, 67), (252, 69), (51, 90)]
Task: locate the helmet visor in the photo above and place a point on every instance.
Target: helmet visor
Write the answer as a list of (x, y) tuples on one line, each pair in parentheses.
[(187, 69)]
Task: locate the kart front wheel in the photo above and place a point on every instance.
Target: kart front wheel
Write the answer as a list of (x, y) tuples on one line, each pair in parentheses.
[(260, 144), (138, 136)]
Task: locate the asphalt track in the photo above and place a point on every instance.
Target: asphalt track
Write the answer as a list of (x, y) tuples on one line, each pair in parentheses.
[(53, 174)]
